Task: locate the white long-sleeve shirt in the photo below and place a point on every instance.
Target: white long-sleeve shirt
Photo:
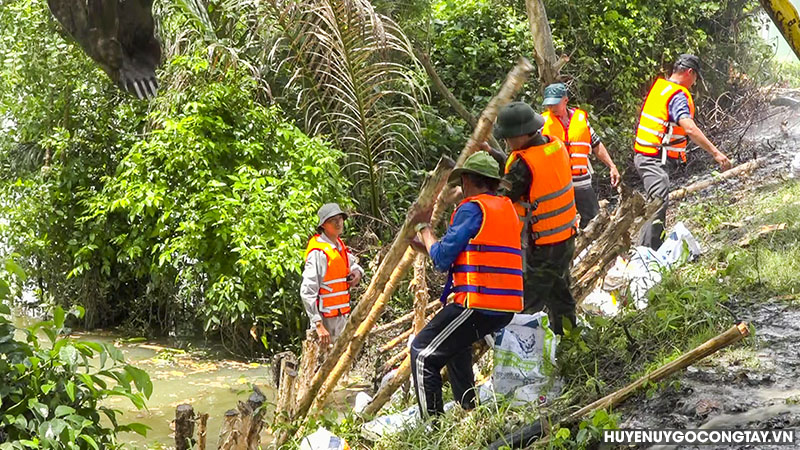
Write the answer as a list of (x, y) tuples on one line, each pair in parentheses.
[(314, 272)]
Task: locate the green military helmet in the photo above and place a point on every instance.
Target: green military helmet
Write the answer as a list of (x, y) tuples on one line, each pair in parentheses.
[(517, 119), (480, 163)]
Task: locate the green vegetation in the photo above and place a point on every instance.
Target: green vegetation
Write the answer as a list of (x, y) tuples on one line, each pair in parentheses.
[(188, 215), (52, 387)]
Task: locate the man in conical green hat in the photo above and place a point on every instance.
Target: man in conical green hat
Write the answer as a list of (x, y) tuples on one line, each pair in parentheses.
[(482, 254)]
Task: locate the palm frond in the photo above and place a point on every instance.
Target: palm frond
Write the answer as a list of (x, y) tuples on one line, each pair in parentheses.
[(353, 74)]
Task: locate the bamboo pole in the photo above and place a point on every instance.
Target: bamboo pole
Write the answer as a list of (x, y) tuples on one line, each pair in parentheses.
[(528, 434), (403, 337), (391, 362), (700, 185), (403, 319), (397, 340), (732, 335), (513, 83), (421, 297)]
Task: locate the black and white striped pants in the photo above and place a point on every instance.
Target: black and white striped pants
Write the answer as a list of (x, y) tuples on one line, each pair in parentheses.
[(447, 341)]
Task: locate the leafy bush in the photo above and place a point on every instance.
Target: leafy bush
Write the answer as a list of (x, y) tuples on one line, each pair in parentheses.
[(219, 202), (51, 392)]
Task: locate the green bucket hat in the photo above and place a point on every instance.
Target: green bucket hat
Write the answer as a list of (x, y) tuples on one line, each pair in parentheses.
[(517, 119), (554, 93), (479, 163)]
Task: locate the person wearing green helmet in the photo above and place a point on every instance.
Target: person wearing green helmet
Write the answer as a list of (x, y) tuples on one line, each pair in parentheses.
[(482, 254), (538, 179)]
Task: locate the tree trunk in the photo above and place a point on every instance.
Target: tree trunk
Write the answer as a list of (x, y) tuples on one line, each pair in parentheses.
[(184, 427), (614, 238), (700, 185), (242, 427), (202, 431), (288, 373), (309, 362), (548, 64)]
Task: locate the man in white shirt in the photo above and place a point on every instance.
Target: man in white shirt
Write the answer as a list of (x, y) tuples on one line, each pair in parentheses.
[(330, 271)]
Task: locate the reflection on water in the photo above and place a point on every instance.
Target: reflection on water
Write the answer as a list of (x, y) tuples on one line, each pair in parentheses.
[(210, 385)]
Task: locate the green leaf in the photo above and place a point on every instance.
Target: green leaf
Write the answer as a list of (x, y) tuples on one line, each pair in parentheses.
[(141, 379), (52, 429), (39, 409), (138, 428), (68, 354), (46, 388), (13, 267), (90, 440), (70, 388), (58, 317), (64, 410)]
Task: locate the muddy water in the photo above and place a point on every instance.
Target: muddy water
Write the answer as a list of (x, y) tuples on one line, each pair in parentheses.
[(210, 385), (759, 390)]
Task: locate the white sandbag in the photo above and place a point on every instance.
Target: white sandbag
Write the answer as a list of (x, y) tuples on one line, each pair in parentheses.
[(524, 355), (678, 242), (362, 400), (323, 439), (390, 424), (601, 303)]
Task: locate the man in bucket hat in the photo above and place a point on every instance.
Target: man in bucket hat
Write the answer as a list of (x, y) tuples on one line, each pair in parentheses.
[(481, 253), (571, 125), (666, 123), (538, 180), (329, 273)]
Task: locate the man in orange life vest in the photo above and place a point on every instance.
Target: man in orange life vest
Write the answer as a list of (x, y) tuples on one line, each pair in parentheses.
[(330, 271), (481, 251), (665, 122), (538, 180), (571, 125)]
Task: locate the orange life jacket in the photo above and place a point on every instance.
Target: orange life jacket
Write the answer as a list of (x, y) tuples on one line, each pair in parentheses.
[(577, 138), (655, 132), (550, 206), (334, 294), (488, 273)]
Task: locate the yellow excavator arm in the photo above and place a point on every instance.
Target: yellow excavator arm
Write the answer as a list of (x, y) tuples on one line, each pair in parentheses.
[(783, 13)]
